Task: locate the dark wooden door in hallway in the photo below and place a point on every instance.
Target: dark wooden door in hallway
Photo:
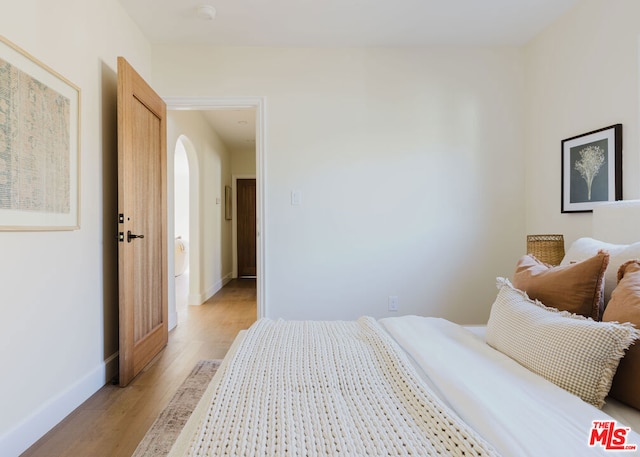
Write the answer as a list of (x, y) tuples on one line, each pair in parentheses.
[(246, 213)]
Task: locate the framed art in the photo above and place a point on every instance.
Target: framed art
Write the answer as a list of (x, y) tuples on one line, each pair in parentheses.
[(591, 169), (227, 203), (39, 145)]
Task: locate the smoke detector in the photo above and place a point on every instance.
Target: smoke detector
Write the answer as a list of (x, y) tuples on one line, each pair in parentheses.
[(206, 12)]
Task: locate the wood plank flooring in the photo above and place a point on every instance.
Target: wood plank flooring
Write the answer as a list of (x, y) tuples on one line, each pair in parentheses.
[(113, 421)]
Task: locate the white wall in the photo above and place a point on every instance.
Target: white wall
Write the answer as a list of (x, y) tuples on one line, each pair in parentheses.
[(410, 163), (243, 161), (58, 290), (210, 247), (181, 191), (582, 74)]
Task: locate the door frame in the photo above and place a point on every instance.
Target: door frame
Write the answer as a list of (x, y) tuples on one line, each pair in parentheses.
[(234, 217), (234, 103), (194, 296)]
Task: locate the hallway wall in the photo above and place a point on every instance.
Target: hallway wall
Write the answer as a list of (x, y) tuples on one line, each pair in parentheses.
[(211, 246)]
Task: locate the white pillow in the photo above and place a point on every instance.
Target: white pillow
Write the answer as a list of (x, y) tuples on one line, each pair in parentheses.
[(584, 248), (578, 354)]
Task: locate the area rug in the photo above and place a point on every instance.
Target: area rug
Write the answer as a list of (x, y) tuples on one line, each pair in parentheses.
[(166, 428)]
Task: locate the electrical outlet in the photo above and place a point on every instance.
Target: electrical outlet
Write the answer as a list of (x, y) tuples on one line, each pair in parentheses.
[(393, 303)]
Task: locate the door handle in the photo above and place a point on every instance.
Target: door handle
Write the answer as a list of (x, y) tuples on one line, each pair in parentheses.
[(131, 236)]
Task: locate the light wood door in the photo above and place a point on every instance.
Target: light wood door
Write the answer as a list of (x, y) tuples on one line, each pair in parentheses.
[(142, 227), (246, 213)]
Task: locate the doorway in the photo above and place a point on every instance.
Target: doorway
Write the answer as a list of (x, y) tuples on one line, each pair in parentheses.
[(185, 194), (258, 106)]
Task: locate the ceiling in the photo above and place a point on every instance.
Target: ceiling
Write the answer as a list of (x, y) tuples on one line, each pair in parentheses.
[(345, 23), (338, 23), (235, 127)]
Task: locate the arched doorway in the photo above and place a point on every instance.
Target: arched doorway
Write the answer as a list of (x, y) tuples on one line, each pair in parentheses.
[(186, 224)]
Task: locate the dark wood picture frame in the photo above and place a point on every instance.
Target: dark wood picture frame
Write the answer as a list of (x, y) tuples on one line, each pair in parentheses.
[(591, 169)]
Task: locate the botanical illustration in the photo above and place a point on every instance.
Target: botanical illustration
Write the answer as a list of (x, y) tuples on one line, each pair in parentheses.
[(590, 163), (591, 169)]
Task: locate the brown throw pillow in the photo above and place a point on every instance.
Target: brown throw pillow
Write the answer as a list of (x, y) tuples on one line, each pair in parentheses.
[(624, 306), (576, 288)]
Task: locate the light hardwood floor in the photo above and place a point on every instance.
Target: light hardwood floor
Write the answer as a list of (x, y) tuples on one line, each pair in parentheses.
[(113, 421)]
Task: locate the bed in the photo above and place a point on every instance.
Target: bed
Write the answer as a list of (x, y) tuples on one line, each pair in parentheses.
[(415, 385)]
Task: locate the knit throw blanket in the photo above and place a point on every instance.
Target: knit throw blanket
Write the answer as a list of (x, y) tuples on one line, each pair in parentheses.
[(327, 388)]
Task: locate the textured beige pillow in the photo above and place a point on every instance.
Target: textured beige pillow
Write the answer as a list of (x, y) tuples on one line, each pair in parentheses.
[(575, 353), (624, 306), (576, 288)]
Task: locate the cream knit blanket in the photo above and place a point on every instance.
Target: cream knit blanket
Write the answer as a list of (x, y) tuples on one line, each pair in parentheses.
[(327, 388)]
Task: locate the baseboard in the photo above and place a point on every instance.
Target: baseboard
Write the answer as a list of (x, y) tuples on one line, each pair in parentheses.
[(173, 320), (226, 279), (210, 292), (112, 367), (195, 299), (26, 433)]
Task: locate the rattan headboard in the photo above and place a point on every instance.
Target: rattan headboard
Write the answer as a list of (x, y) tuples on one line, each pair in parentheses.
[(617, 222)]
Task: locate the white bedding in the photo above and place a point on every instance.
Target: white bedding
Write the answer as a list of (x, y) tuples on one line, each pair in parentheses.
[(323, 388), (622, 413), (517, 411)]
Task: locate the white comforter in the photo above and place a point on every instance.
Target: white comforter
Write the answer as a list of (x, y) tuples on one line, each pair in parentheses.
[(518, 412), (325, 388)]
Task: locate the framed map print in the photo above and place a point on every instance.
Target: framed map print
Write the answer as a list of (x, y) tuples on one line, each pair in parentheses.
[(39, 145)]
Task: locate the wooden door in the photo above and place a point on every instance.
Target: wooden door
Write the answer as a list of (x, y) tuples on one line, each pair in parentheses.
[(246, 213), (142, 226)]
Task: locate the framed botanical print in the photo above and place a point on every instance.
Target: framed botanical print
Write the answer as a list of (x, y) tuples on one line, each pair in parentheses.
[(591, 169)]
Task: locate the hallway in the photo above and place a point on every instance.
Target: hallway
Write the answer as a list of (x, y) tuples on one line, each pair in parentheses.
[(112, 422)]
